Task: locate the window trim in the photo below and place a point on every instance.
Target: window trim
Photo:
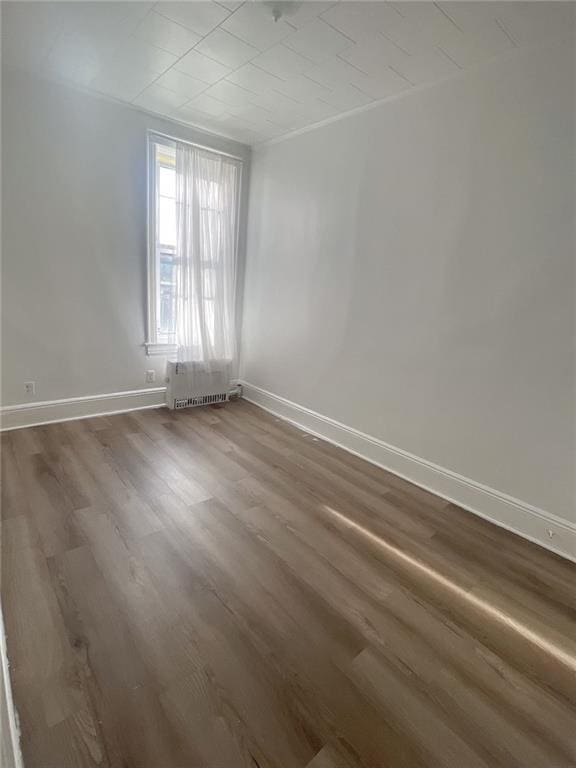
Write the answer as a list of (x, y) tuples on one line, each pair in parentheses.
[(152, 345)]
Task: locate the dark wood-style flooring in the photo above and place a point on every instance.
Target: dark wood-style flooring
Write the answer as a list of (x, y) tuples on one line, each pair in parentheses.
[(214, 588)]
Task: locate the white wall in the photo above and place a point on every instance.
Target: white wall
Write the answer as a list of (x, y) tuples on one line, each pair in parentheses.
[(410, 274), (74, 240)]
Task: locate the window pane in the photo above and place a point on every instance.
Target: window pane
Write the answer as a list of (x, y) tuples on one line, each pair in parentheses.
[(166, 271), (167, 320), (167, 221), (208, 279), (167, 311), (209, 318), (167, 182), (210, 194), (211, 223)]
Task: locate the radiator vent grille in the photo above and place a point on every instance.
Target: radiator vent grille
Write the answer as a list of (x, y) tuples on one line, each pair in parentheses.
[(190, 402)]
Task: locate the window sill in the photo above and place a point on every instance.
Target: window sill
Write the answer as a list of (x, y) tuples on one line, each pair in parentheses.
[(158, 348)]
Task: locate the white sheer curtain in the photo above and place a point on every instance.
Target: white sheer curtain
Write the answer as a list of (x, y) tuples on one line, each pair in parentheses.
[(206, 213)]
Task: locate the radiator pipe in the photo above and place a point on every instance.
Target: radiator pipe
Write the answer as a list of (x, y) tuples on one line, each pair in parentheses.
[(235, 392)]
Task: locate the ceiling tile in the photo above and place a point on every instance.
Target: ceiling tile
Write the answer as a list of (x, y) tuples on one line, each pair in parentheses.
[(230, 93), (316, 109), (101, 36), (301, 14), (273, 100), (159, 99), (123, 84), (268, 131), (423, 27), (360, 20), (236, 126), (347, 97), (202, 67), (385, 84), (249, 136), (235, 121), (427, 67), (90, 15), (532, 22), (166, 34), (420, 11), (208, 105), (486, 41), (317, 41), (195, 117), (226, 49), (282, 62), (181, 84), (411, 37), (374, 55), (334, 72), (301, 88), (230, 5), (290, 120), (337, 72), (470, 16), (200, 17), (139, 55), (254, 23), (251, 112), (254, 79), (97, 43)]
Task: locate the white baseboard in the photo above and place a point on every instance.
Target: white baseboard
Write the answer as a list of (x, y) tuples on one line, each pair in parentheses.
[(497, 507), (10, 755), (534, 524), (50, 411)]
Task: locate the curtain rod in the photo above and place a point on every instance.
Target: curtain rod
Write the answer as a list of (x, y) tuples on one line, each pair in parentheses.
[(195, 144)]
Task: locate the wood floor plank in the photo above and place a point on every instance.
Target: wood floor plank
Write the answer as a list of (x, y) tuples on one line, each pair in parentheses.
[(165, 468), (403, 640), (332, 755), (214, 588), (402, 703), (45, 674), (14, 498), (313, 660), (433, 646), (238, 686)]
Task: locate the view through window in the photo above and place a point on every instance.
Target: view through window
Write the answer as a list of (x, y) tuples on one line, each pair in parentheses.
[(166, 259)]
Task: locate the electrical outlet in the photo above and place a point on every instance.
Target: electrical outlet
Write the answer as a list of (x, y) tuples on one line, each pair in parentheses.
[(150, 377), (30, 387)]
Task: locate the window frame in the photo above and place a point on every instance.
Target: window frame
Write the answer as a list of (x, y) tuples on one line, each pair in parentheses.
[(153, 345)]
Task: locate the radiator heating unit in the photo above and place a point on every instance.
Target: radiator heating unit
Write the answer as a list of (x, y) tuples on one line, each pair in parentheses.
[(197, 383)]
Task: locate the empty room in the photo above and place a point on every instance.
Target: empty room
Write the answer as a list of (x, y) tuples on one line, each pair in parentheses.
[(288, 384)]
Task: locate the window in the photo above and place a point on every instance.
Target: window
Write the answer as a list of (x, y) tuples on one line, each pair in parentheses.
[(162, 246), (167, 274)]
